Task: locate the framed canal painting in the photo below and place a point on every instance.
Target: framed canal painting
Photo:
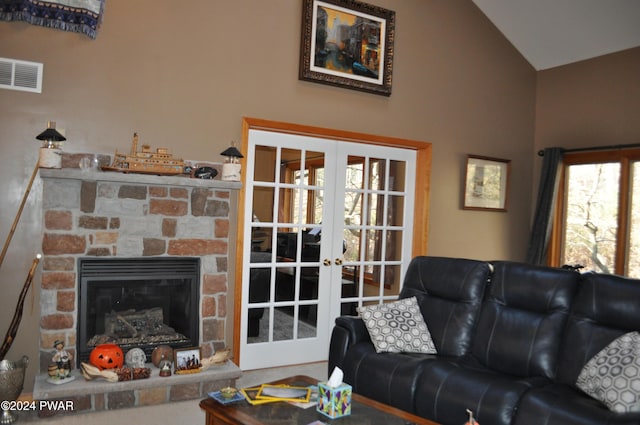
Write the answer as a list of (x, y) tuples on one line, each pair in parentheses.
[(347, 43)]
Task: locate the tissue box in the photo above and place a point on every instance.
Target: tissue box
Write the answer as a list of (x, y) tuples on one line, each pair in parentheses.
[(334, 402)]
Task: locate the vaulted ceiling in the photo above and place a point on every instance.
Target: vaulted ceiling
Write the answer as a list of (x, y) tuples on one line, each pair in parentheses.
[(550, 33)]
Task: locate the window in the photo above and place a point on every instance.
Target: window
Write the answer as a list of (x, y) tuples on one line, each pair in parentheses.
[(598, 213)]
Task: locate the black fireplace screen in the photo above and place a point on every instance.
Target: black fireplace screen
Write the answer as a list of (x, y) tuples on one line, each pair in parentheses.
[(138, 302)]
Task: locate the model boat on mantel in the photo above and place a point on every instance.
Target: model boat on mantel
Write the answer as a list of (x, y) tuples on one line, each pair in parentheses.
[(145, 161)]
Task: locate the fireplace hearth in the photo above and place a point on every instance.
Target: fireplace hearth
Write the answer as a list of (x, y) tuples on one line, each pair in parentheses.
[(137, 303)]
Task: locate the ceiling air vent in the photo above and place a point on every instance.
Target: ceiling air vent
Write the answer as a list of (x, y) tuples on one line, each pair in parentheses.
[(20, 75)]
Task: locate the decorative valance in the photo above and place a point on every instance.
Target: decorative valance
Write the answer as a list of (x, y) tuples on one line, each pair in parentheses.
[(82, 16)]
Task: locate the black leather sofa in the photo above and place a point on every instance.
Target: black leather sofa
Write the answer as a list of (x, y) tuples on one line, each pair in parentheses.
[(511, 340)]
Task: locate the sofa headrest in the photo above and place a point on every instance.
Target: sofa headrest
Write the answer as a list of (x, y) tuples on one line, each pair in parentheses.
[(450, 292), (605, 307)]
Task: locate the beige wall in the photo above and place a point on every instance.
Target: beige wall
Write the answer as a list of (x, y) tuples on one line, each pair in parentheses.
[(183, 74), (590, 103)]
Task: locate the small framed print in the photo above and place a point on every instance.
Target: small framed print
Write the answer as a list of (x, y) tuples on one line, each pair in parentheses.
[(486, 183), (187, 360)]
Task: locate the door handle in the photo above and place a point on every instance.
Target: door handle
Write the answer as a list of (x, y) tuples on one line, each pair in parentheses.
[(327, 262)]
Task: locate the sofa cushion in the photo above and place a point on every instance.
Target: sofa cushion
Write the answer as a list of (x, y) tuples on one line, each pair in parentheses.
[(397, 327), (390, 378), (611, 376), (523, 317), (449, 292), (448, 387), (560, 404)]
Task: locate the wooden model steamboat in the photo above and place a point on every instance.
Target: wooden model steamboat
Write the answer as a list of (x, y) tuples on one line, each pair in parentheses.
[(145, 161)]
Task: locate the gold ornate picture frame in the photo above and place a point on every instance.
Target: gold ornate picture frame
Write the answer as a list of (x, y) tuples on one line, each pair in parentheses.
[(348, 44)]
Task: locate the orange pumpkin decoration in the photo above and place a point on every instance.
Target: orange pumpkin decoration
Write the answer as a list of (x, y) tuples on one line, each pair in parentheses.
[(107, 356)]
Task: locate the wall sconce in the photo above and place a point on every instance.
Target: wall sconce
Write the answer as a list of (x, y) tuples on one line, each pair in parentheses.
[(51, 149), (231, 168)]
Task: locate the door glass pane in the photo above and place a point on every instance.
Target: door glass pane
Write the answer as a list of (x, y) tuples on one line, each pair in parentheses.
[(375, 214), (633, 261), (283, 323), (316, 203), (289, 206), (258, 325), (351, 244), (307, 206), (263, 169), (309, 283), (397, 175), (377, 171), (261, 245), (355, 172), (263, 204), (353, 208), (373, 281), (308, 323), (290, 165), (285, 283), (259, 285), (395, 210), (592, 216), (392, 279), (393, 245)]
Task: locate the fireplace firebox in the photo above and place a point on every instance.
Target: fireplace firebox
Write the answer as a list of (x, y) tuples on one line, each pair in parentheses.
[(137, 302)]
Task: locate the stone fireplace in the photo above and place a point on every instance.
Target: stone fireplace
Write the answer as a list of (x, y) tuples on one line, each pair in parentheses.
[(93, 217)]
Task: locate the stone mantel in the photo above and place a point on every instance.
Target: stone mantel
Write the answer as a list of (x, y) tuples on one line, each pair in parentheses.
[(133, 178)]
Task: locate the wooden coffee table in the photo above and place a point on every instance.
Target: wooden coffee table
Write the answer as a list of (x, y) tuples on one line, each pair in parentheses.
[(364, 411)]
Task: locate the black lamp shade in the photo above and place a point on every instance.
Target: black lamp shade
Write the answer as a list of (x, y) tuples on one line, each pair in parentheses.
[(232, 151), (51, 134)]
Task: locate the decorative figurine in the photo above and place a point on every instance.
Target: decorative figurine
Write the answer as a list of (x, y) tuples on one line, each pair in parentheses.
[(60, 367), (135, 358), (165, 367), (145, 161)]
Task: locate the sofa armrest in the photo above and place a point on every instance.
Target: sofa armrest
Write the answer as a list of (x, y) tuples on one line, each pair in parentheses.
[(355, 327), (349, 330)]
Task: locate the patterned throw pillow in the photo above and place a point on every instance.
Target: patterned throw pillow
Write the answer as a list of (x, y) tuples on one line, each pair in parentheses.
[(613, 375), (398, 327)]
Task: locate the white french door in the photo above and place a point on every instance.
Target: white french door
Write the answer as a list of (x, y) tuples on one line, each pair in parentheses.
[(327, 228)]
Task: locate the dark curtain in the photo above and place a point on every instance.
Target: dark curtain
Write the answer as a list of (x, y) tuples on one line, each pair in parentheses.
[(547, 192)]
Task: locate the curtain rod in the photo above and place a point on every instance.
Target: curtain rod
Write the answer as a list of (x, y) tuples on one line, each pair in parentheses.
[(596, 148)]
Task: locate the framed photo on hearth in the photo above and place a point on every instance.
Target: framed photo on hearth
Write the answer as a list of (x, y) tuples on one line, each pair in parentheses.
[(187, 360), (347, 43), (486, 183)]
